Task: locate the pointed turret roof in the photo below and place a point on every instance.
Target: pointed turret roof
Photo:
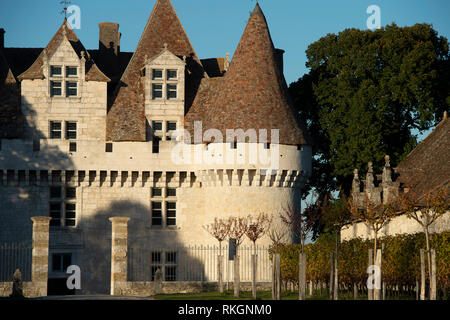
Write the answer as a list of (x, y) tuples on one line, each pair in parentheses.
[(253, 93), (126, 118), (93, 73)]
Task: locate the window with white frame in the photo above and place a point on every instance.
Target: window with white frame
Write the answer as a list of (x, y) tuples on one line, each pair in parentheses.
[(164, 84), (62, 206), (64, 81), (164, 130), (164, 207), (55, 129), (71, 130)]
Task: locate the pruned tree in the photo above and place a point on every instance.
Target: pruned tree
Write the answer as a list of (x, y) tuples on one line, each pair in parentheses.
[(375, 215), (256, 228), (219, 229), (425, 210)]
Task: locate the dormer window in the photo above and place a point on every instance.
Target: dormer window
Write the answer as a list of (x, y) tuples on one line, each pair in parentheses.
[(172, 75), (157, 74), (72, 89), (157, 91), (56, 88), (71, 72), (63, 85), (56, 71), (171, 91)]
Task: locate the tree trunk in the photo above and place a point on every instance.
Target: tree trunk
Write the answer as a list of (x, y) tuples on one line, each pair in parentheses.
[(355, 291), (336, 274), (254, 266), (237, 278), (370, 291), (302, 276), (220, 268)]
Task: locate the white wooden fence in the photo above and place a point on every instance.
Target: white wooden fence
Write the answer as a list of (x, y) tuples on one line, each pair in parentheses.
[(198, 263)]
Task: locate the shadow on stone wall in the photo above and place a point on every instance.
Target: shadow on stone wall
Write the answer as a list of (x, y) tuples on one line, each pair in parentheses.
[(95, 259)]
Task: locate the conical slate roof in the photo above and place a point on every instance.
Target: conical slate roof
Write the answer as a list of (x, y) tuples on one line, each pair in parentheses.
[(93, 73), (253, 92), (126, 118)]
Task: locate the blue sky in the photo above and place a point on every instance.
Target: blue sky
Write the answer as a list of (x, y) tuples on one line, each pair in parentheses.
[(215, 26)]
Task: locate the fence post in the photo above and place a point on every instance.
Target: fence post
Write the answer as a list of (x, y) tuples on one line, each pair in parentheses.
[(39, 267), (378, 264), (370, 291), (236, 276), (302, 276), (119, 248), (276, 277), (422, 274), (433, 275), (336, 275)]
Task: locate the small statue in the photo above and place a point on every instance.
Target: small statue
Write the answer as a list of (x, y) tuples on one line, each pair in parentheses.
[(17, 289)]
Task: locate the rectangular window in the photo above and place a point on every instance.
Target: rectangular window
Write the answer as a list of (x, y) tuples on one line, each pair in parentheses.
[(70, 215), (171, 91), (171, 213), (73, 147), (155, 146), (55, 192), (172, 74), (55, 214), (156, 192), (156, 214), (170, 269), (171, 192), (71, 71), (62, 206), (157, 126), (71, 130), (55, 71), (61, 261), (157, 91), (55, 129), (156, 263), (157, 74), (72, 89), (171, 129), (56, 88), (109, 147), (71, 193), (233, 145)]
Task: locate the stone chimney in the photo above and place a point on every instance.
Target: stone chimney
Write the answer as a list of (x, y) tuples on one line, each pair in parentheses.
[(109, 49), (109, 38), (279, 53), (2, 38)]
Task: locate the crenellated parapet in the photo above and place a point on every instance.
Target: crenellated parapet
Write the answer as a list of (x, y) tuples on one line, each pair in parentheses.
[(375, 188), (144, 179)]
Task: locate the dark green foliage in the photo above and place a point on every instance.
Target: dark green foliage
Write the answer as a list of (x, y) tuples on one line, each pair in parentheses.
[(365, 93)]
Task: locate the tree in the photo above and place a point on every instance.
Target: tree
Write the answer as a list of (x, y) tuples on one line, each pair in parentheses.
[(256, 228), (365, 93), (425, 209), (219, 229), (238, 228)]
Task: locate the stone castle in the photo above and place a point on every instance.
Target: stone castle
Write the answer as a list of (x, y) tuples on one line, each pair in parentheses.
[(86, 135)]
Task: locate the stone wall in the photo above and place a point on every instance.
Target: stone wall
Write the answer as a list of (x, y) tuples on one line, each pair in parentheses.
[(398, 225)]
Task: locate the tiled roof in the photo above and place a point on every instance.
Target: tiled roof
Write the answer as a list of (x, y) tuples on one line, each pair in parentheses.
[(253, 92), (36, 71), (427, 167), (126, 118)]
